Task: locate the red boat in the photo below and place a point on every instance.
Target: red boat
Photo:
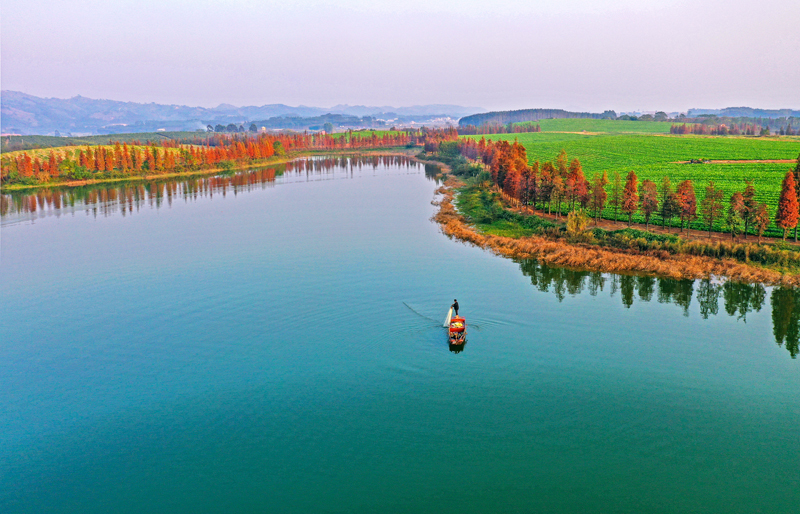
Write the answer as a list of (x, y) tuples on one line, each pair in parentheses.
[(457, 331)]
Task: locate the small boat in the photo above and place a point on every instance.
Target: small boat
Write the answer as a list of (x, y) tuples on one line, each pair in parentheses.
[(457, 330)]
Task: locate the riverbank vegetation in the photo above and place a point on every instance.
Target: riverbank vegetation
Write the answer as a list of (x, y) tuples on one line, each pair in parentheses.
[(121, 160), (729, 162), (503, 202), (129, 196)]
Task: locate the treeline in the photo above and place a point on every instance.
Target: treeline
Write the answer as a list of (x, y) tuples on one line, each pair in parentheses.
[(562, 182), (734, 129), (127, 197), (767, 126), (522, 115), (494, 128), (189, 154)]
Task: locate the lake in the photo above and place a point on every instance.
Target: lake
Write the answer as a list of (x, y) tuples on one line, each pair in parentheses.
[(272, 341)]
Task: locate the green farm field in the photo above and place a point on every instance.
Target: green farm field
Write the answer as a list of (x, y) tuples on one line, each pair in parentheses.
[(603, 126), (655, 156)]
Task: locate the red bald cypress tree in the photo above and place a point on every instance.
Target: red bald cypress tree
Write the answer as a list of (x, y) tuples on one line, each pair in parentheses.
[(687, 202), (630, 196), (787, 214)]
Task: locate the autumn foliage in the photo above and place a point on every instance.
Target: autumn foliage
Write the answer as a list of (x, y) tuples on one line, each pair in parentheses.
[(787, 214), (170, 156)]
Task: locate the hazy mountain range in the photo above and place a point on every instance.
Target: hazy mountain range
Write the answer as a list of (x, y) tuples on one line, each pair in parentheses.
[(21, 113)]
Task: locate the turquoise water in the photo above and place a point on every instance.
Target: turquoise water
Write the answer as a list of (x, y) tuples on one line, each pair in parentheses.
[(272, 342)]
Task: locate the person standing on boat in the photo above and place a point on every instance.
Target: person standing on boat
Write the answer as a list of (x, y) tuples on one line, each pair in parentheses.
[(455, 306)]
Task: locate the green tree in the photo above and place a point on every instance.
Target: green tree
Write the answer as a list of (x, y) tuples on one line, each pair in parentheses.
[(576, 222), (561, 164), (711, 206), (669, 202), (735, 217), (751, 206)]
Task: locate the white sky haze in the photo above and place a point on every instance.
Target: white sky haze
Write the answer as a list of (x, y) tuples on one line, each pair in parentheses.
[(573, 54)]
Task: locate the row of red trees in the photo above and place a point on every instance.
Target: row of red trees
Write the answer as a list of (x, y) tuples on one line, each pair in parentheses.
[(552, 184), (171, 156)]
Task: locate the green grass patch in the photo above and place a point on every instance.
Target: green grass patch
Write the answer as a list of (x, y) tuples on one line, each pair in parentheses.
[(485, 210), (604, 126)]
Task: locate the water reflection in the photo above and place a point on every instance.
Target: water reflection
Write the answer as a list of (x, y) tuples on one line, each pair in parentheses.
[(786, 318), (738, 300), (457, 348), (128, 197)]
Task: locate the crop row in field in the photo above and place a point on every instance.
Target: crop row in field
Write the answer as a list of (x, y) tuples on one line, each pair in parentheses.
[(654, 157), (604, 126)]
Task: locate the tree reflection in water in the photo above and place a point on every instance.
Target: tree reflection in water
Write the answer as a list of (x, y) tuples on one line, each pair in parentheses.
[(786, 317), (738, 299), (127, 197)]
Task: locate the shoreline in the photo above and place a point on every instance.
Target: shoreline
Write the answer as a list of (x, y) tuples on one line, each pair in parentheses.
[(588, 257), (388, 151)]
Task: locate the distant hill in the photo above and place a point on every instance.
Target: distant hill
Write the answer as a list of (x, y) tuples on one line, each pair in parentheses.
[(21, 113), (504, 117), (744, 112)]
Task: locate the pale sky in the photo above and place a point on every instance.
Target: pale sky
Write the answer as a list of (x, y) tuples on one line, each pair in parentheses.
[(498, 54)]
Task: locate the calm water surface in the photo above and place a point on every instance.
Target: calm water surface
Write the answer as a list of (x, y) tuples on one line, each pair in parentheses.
[(271, 341)]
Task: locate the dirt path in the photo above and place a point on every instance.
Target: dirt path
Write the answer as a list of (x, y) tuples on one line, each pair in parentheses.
[(691, 235)]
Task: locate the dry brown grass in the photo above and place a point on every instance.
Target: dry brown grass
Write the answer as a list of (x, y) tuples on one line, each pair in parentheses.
[(558, 252)]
